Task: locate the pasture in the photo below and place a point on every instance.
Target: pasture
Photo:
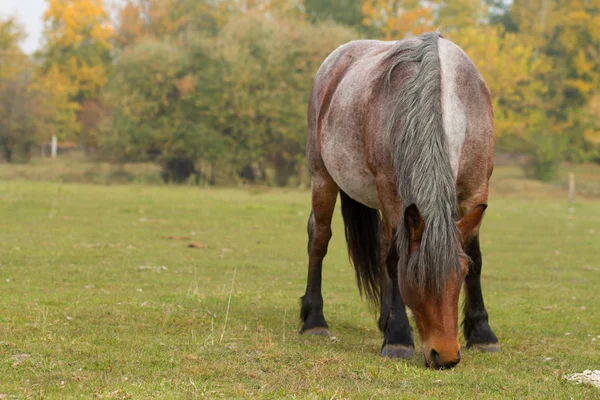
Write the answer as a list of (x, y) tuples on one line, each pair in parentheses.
[(102, 296)]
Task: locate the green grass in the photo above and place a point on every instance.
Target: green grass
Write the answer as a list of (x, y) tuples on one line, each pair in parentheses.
[(95, 301), (76, 168)]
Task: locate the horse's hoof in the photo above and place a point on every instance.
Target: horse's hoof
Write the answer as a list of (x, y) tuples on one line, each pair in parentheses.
[(485, 347), (397, 351), (318, 331)]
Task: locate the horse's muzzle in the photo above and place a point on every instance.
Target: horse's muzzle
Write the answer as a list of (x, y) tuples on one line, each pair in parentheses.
[(437, 362)]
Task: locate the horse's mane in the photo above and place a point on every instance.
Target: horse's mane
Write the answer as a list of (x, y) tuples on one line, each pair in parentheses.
[(424, 174)]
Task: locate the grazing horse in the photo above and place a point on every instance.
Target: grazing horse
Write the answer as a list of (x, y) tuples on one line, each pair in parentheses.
[(403, 130)]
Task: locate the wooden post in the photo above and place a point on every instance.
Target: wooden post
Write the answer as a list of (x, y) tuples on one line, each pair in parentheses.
[(571, 187), (54, 146)]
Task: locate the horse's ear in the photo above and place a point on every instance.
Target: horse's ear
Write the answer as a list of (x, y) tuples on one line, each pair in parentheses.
[(470, 223), (414, 223)]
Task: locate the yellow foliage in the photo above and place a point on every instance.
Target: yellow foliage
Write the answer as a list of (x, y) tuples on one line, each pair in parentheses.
[(459, 14), (12, 59), (592, 117), (396, 19), (75, 59), (70, 22), (58, 111)]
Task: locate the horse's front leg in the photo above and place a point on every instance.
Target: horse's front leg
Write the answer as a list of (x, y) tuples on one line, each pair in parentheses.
[(324, 195), (398, 339), (393, 322), (477, 330)]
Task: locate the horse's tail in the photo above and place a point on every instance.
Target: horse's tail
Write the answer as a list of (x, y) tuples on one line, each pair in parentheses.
[(362, 228), (424, 175)]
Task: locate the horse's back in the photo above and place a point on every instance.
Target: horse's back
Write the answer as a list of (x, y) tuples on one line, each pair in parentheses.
[(349, 109), (468, 121), (336, 113)]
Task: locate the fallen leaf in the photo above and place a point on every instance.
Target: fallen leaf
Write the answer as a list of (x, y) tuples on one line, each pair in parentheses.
[(195, 245), (176, 237), (19, 359)]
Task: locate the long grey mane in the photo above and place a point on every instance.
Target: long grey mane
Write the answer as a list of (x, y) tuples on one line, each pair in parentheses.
[(422, 165)]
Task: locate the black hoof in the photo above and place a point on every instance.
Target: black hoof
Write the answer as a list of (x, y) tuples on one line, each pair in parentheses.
[(397, 351), (317, 331)]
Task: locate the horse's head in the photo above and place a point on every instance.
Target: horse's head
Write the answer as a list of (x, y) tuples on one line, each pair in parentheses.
[(435, 307)]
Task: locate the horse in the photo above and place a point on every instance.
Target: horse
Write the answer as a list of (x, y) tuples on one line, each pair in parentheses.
[(403, 131)]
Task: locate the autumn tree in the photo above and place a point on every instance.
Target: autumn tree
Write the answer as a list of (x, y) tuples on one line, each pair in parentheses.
[(12, 58), (237, 99), (452, 15), (269, 67), (344, 12), (565, 35), (17, 124), (58, 111), (396, 19), (75, 59), (143, 19)]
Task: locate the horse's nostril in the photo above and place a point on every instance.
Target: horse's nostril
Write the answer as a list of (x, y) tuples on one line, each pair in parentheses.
[(439, 363), (434, 356)]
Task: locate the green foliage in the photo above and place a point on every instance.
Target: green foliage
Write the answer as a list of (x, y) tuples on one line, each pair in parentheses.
[(269, 65), (237, 99), (547, 155), (143, 90), (164, 99), (345, 12), (18, 103), (17, 126), (564, 35), (12, 58)]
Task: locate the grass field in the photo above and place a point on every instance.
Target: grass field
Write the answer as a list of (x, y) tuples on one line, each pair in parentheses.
[(100, 296)]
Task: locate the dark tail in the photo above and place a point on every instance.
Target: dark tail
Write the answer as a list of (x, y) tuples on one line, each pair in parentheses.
[(362, 228)]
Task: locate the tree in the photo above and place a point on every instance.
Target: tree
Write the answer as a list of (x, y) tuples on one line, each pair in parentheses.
[(395, 19), (344, 12), (17, 118), (459, 14), (75, 58), (148, 121), (565, 35), (17, 104), (143, 19), (269, 64), (57, 111), (12, 58)]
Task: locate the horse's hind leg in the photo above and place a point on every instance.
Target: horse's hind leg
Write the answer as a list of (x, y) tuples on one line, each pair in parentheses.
[(324, 195), (477, 330)]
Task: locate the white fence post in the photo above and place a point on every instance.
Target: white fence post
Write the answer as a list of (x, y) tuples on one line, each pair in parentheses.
[(54, 146), (571, 187)]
